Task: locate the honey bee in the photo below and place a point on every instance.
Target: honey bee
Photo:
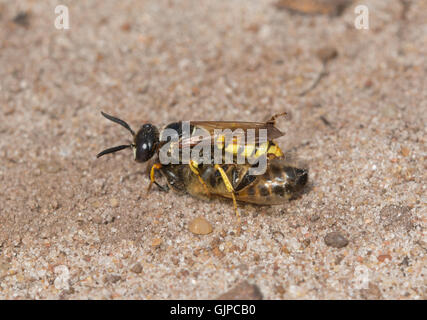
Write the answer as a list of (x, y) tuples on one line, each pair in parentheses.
[(281, 180)]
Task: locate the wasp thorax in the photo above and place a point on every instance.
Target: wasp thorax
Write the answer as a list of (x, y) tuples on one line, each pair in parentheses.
[(145, 142)]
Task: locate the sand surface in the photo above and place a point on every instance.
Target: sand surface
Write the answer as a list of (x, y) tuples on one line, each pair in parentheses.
[(75, 227)]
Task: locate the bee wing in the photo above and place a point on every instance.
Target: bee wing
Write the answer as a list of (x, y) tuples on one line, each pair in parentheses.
[(211, 126)]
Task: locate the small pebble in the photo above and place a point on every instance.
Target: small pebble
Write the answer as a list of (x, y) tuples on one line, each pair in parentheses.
[(243, 291), (280, 290), (368, 83), (112, 278), (137, 268), (156, 242), (284, 249), (383, 257), (4, 268), (61, 282), (22, 19), (373, 292), (126, 27), (314, 218), (195, 91), (200, 226), (336, 240), (218, 253), (114, 202), (405, 262), (405, 151), (327, 53)]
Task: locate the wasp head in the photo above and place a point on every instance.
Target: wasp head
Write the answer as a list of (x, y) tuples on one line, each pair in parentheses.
[(145, 141)]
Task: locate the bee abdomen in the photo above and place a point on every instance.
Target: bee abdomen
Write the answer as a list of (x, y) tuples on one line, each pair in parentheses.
[(278, 183)]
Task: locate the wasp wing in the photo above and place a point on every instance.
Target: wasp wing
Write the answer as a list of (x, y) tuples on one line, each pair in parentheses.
[(272, 131), (211, 126)]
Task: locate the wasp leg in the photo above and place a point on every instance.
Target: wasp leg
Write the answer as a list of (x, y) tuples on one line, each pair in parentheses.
[(164, 188), (194, 167), (229, 188), (274, 151), (155, 167), (273, 118)]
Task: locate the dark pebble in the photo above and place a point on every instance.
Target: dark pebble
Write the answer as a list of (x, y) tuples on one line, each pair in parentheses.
[(112, 278), (314, 218), (373, 292), (336, 240), (326, 54), (22, 19), (243, 291), (137, 268)]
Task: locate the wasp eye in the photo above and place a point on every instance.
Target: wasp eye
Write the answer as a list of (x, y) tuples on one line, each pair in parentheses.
[(145, 142)]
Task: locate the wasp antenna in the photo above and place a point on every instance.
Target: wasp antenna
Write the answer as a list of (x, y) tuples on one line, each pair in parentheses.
[(113, 149), (119, 121)]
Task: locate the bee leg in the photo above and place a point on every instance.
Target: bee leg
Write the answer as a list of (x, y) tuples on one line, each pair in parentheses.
[(194, 167), (229, 188), (274, 117), (155, 167)]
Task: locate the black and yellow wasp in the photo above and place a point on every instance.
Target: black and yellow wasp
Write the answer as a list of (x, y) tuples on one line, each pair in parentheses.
[(280, 181)]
